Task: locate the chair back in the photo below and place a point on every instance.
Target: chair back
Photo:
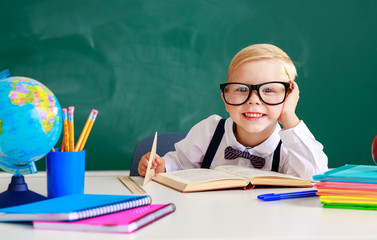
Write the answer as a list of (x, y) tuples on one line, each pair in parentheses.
[(165, 143)]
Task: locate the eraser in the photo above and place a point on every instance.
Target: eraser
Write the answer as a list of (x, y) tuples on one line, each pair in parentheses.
[(64, 110), (70, 112)]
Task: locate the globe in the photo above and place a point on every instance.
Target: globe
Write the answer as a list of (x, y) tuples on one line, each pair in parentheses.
[(30, 124)]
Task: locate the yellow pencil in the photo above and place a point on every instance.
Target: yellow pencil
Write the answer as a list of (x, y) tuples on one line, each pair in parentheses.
[(63, 143), (86, 136), (86, 130), (66, 131), (71, 128), (82, 135)]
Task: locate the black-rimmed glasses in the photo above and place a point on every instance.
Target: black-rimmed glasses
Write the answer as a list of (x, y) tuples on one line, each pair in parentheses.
[(271, 93)]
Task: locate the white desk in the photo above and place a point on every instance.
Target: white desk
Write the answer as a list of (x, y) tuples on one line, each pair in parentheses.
[(227, 214)]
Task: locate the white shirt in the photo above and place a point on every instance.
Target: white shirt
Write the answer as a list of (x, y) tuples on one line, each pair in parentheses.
[(300, 154)]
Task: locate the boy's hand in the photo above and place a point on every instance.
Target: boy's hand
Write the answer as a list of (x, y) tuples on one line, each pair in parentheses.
[(158, 164), (288, 116)]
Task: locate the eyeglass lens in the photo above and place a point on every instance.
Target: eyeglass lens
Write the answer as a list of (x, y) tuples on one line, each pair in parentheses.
[(270, 93)]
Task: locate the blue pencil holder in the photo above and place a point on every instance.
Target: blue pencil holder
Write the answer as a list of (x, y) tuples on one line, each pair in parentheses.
[(65, 173)]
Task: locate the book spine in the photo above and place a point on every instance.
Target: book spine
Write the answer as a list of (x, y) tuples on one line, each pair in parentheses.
[(152, 217), (116, 207)]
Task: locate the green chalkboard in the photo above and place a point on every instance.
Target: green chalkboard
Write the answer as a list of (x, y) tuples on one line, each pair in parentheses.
[(150, 65)]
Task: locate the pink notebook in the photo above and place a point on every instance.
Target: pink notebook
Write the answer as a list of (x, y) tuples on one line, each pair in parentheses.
[(371, 187), (126, 221), (349, 189)]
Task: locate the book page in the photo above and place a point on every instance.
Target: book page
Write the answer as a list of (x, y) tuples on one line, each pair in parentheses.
[(246, 172), (199, 175)]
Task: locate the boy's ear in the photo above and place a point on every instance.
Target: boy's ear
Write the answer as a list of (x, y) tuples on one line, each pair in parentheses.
[(222, 97), (226, 105)]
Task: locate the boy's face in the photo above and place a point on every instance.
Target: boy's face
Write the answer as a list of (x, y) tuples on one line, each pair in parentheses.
[(255, 118)]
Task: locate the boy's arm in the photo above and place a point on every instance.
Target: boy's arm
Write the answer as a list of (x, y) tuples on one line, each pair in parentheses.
[(288, 117), (302, 155)]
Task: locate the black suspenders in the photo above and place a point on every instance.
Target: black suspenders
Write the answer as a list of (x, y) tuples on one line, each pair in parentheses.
[(276, 159), (215, 142)]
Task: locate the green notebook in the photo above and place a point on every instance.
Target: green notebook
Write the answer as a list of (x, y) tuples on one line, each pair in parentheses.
[(350, 206), (350, 173)]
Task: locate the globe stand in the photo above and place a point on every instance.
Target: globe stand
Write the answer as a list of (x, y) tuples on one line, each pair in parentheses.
[(18, 193)]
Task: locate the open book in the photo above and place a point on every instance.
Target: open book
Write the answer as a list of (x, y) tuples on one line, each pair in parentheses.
[(223, 177)]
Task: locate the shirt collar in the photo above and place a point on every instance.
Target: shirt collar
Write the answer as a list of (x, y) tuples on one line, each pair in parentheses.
[(263, 150)]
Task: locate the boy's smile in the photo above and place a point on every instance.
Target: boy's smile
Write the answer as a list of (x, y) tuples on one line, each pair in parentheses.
[(256, 120), (253, 115)]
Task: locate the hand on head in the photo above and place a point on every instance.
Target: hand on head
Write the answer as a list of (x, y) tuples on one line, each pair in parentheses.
[(288, 117), (158, 164)]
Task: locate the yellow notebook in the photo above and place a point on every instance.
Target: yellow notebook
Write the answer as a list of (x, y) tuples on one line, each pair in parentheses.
[(348, 199)]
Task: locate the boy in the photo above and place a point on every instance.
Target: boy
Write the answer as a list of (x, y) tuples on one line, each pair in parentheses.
[(260, 93)]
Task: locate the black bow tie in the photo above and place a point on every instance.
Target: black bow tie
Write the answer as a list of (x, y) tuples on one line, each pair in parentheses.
[(231, 153)]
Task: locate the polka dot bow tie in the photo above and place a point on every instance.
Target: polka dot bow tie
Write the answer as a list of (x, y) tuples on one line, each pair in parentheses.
[(231, 153)]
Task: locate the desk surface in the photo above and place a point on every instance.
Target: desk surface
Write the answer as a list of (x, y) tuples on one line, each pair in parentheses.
[(227, 214)]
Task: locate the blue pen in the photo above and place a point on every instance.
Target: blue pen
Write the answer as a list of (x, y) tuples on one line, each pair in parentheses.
[(279, 196)]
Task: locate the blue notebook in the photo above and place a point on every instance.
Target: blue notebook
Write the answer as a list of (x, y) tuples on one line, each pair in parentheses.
[(350, 173), (73, 207)]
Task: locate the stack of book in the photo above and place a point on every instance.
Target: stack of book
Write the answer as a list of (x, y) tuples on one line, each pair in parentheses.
[(90, 212), (349, 186)]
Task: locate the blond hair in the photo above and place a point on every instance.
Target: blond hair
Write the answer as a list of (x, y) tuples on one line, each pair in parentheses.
[(263, 51)]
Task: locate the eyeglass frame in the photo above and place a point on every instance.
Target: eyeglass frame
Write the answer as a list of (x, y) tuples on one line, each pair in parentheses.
[(287, 85)]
